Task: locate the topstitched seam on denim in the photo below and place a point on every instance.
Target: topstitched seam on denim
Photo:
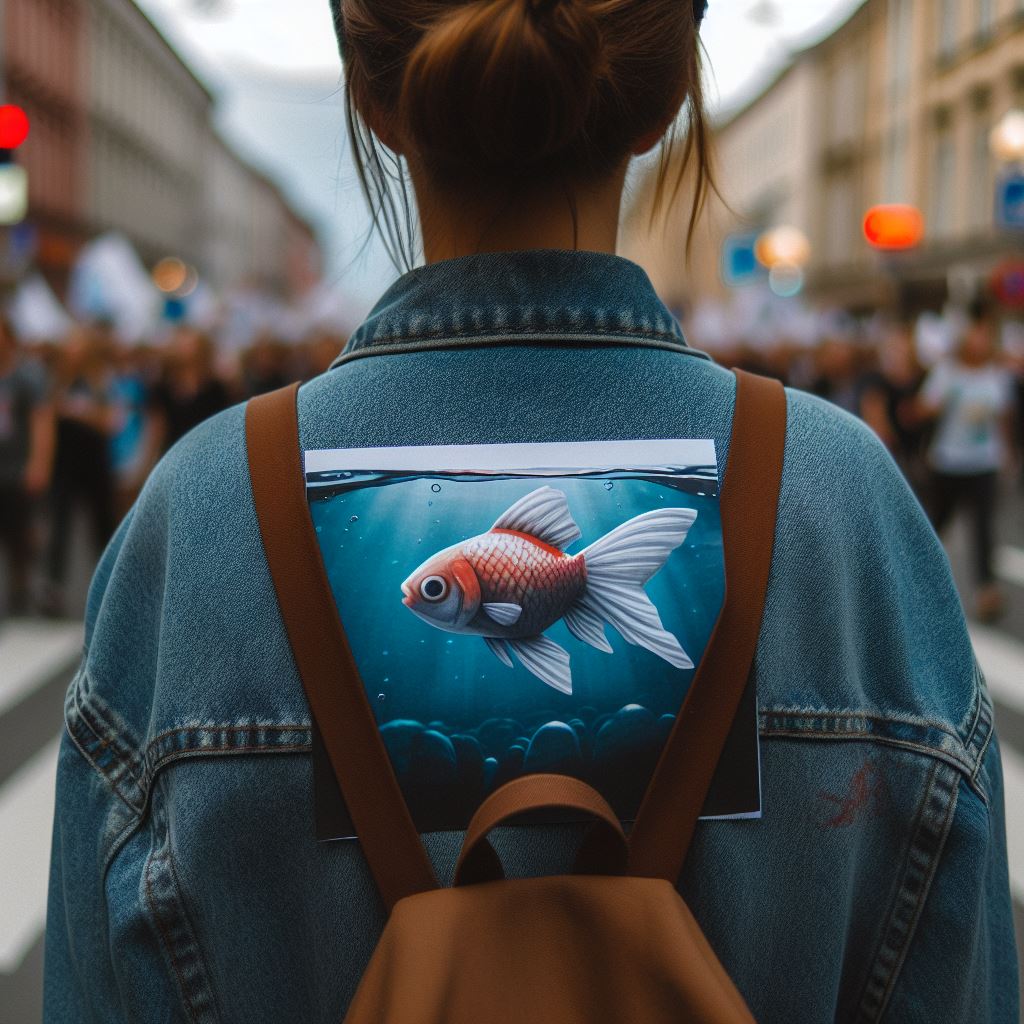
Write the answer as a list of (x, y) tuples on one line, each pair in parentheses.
[(165, 939), (213, 728), (82, 743), (96, 768), (977, 704), (109, 733), (895, 891), (198, 752), (936, 787), (934, 753), (980, 760), (403, 334), (109, 741), (409, 346), (806, 714), (878, 974), (197, 948)]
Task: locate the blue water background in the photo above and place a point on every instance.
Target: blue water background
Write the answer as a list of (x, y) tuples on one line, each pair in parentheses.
[(440, 696)]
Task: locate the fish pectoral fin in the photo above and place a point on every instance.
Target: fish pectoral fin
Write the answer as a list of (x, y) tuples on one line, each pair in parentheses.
[(500, 650), (544, 514), (504, 614), (546, 660)]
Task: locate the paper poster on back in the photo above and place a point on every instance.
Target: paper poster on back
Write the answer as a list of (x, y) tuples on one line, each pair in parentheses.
[(526, 608)]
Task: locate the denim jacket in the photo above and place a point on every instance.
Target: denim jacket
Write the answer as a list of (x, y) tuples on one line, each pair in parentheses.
[(186, 881)]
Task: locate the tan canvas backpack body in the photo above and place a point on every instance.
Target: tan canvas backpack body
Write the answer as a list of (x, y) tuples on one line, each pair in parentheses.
[(613, 942)]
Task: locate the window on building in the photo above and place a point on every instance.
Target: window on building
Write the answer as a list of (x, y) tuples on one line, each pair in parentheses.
[(897, 185), (948, 26), (847, 98), (986, 17), (901, 47), (943, 179), (981, 183), (840, 219)]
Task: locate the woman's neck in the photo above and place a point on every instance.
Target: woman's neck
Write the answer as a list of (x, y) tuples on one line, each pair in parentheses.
[(454, 225)]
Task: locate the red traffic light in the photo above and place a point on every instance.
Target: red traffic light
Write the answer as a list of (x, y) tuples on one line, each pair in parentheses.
[(894, 226), (13, 126)]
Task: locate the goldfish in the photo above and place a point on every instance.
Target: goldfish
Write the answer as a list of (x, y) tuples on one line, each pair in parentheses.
[(513, 582)]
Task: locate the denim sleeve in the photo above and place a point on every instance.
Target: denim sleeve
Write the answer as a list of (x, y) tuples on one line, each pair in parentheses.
[(79, 977), (962, 963)]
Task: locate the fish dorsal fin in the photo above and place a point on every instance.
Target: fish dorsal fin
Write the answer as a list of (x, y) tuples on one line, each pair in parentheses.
[(543, 513)]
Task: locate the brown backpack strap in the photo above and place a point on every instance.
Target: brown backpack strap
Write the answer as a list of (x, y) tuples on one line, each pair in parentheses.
[(603, 852), (329, 675), (668, 815)]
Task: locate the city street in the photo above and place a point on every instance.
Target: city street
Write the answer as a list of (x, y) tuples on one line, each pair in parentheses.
[(37, 659)]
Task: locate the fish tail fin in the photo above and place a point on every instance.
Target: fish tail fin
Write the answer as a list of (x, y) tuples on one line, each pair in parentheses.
[(619, 564)]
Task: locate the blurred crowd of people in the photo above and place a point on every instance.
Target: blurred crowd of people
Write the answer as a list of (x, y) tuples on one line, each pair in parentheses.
[(952, 419), (83, 422)]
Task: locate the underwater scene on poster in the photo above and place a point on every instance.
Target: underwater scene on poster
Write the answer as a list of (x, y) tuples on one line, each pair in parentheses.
[(517, 608)]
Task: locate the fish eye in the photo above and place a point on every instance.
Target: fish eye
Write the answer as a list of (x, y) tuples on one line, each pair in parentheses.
[(434, 588)]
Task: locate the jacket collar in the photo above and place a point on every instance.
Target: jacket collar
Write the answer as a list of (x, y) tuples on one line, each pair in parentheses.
[(544, 295)]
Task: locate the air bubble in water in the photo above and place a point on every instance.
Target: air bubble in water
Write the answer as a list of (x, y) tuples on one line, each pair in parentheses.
[(436, 488), (608, 485), (353, 519), (381, 696)]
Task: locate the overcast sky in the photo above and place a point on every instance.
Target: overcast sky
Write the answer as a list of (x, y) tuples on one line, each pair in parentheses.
[(274, 67)]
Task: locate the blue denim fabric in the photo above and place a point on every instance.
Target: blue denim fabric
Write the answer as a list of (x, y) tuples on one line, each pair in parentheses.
[(186, 882)]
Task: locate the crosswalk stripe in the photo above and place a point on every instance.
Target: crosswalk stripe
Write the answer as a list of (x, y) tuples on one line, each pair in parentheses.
[(31, 652), (1013, 786), (1009, 562), (1002, 660), (26, 818)]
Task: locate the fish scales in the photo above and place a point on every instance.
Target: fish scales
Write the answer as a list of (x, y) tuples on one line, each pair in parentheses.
[(515, 569), (512, 583)]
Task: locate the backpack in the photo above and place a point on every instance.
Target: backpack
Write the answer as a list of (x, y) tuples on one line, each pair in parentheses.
[(612, 942)]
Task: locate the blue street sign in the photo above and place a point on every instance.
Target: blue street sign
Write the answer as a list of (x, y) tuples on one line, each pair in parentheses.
[(739, 264), (174, 309), (1010, 200)]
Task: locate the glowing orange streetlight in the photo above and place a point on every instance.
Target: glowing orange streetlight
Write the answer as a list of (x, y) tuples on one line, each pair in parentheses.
[(893, 226)]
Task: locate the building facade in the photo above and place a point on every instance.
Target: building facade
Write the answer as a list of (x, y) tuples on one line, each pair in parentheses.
[(254, 238), (122, 140), (149, 131), (895, 106), (42, 72)]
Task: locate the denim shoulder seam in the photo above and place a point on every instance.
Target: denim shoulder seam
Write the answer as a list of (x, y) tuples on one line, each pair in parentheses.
[(174, 930), (106, 742), (980, 734), (920, 736), (928, 839), (208, 740)]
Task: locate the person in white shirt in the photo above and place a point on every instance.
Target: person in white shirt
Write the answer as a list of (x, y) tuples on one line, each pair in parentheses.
[(970, 398)]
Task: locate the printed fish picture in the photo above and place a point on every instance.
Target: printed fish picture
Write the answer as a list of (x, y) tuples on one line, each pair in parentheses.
[(525, 608), (511, 583)]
